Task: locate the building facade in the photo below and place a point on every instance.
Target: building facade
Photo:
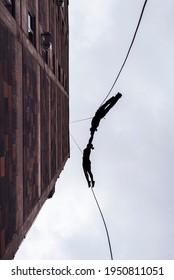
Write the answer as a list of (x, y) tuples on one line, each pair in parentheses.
[(34, 111)]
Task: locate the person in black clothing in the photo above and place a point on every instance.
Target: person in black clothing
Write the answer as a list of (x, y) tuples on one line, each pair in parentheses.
[(102, 111), (87, 165)]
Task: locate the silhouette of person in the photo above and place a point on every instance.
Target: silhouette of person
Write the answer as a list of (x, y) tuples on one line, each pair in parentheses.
[(102, 111), (87, 165)]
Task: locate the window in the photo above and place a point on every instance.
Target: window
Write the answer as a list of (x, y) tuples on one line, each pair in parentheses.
[(9, 4), (46, 41), (31, 29), (45, 56), (60, 3)]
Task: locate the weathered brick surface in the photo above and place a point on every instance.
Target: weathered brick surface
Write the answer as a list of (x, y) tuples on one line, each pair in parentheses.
[(45, 130), (30, 132), (43, 14), (34, 119), (7, 137), (53, 127)]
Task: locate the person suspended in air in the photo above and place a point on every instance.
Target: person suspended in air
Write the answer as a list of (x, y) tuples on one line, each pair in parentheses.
[(87, 165), (101, 113)]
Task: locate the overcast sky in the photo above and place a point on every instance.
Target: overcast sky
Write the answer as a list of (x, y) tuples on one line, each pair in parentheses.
[(133, 159)]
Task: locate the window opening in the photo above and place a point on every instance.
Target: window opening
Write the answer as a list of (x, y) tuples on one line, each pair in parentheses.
[(9, 4), (45, 56), (60, 3), (31, 29)]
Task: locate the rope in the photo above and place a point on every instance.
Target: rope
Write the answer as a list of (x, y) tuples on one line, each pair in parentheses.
[(107, 233), (81, 120), (132, 42), (98, 206), (76, 143), (122, 66), (124, 62)]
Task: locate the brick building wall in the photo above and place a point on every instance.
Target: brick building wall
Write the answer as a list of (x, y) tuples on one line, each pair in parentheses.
[(34, 112)]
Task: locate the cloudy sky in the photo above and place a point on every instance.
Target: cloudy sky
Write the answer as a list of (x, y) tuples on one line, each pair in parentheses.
[(133, 157)]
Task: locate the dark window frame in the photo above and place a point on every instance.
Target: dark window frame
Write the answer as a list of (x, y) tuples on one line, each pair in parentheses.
[(32, 28), (10, 5), (45, 56)]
